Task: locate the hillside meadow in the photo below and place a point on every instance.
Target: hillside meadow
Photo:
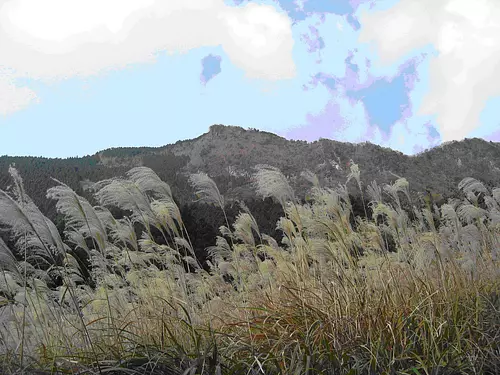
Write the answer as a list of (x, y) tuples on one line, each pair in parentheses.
[(397, 291)]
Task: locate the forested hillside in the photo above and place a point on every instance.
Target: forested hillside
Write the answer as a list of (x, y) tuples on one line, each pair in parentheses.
[(229, 153)]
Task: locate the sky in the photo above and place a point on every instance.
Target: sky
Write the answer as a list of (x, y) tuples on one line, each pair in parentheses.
[(80, 76)]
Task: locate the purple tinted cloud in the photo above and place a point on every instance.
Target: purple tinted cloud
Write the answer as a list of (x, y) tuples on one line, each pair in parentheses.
[(386, 100), (315, 42), (328, 80), (324, 124)]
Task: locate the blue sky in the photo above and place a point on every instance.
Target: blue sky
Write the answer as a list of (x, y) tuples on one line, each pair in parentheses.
[(349, 70)]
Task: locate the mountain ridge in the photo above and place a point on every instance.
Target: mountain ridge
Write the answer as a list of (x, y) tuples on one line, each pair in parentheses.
[(229, 153)]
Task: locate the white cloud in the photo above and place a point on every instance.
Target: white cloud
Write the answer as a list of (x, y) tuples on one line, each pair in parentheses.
[(12, 97), (463, 75), (55, 39)]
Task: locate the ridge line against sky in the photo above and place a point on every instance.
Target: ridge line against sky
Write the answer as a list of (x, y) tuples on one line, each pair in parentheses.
[(80, 76)]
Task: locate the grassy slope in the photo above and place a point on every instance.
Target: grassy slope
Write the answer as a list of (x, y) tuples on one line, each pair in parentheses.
[(331, 299)]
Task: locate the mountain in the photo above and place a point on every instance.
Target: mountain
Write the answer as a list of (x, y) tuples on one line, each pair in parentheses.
[(229, 153)]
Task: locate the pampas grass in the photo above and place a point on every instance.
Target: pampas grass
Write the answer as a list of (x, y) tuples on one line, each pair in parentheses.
[(330, 298)]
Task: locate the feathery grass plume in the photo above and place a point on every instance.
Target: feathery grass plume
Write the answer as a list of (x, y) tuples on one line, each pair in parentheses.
[(343, 192), (295, 214), (73, 271), (8, 261), (168, 214), (311, 177), (356, 174), (494, 216), (31, 228), (382, 209), (331, 203), (400, 185), (10, 285), (270, 182), (288, 228), (79, 213), (186, 245), (420, 218), (374, 192), (471, 185), (429, 218), (126, 195), (19, 192), (221, 251), (149, 182), (469, 213), (317, 304), (243, 226), (371, 236), (123, 232), (225, 231), (495, 193), (206, 189), (304, 219), (491, 203), (448, 213), (403, 186), (105, 216), (270, 241), (392, 190), (77, 240)]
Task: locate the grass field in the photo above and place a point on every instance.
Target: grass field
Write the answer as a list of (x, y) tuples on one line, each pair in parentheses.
[(400, 291)]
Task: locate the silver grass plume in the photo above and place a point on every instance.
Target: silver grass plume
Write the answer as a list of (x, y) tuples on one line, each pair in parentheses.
[(149, 182), (31, 228), (270, 182), (381, 209), (429, 218), (19, 192), (343, 192), (182, 242), (77, 239), (270, 241), (491, 203), (420, 218), (225, 231), (8, 261), (402, 185), (392, 191), (448, 213), (469, 213), (126, 195), (79, 213), (311, 177), (244, 226), (206, 189), (495, 193), (355, 173), (334, 202), (471, 185), (221, 251), (88, 185), (287, 227), (123, 231), (168, 214), (374, 192), (106, 217)]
